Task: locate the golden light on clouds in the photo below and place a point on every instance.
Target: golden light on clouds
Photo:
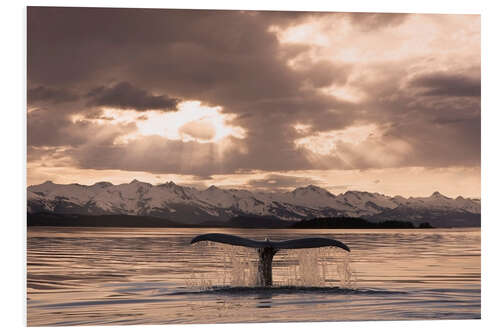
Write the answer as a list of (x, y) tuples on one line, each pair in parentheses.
[(306, 33), (418, 35), (302, 128), (364, 144), (192, 122), (345, 92), (319, 96), (324, 143)]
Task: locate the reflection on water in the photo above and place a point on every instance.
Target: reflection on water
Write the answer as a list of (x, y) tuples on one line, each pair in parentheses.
[(97, 276)]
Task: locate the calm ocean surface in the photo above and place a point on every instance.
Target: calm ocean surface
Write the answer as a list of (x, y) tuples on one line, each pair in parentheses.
[(113, 276)]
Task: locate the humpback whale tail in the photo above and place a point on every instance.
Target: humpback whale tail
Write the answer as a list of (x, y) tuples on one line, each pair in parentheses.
[(267, 249)]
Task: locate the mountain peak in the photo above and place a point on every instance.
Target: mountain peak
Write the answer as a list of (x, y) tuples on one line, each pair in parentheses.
[(134, 181), (312, 189), (308, 188), (436, 194)]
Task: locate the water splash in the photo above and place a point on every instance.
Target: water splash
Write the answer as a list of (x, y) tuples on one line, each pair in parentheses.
[(244, 270), (237, 267), (346, 273), (319, 267)]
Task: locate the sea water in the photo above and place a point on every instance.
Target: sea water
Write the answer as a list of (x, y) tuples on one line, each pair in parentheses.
[(112, 276)]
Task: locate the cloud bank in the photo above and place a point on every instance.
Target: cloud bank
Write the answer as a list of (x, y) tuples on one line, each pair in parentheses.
[(414, 79)]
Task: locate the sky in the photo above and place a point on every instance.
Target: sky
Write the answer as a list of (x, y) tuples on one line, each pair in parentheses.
[(265, 101)]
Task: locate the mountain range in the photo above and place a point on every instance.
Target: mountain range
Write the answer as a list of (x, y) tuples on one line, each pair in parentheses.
[(188, 205)]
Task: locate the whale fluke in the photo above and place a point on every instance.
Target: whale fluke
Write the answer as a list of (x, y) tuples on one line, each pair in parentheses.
[(267, 249), (301, 243)]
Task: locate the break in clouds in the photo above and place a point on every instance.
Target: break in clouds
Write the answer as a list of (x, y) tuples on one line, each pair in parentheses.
[(204, 93)]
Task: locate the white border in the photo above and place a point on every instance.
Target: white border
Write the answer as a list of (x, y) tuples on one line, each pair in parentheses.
[(13, 20)]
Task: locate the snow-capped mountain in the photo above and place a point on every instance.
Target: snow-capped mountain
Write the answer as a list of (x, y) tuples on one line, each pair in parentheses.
[(189, 205)]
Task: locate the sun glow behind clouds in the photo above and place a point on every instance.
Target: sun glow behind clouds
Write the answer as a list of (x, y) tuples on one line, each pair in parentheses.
[(346, 92), (419, 35), (325, 142), (366, 145), (192, 122)]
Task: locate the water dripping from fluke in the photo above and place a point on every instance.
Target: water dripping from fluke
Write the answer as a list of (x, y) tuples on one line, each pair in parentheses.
[(267, 249)]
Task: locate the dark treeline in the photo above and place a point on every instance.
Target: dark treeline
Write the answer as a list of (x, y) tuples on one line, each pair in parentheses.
[(355, 223), (130, 221)]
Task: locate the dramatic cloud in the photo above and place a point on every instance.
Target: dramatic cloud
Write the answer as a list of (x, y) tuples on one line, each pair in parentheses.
[(125, 96), (253, 92), (373, 21), (448, 84), (45, 94)]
